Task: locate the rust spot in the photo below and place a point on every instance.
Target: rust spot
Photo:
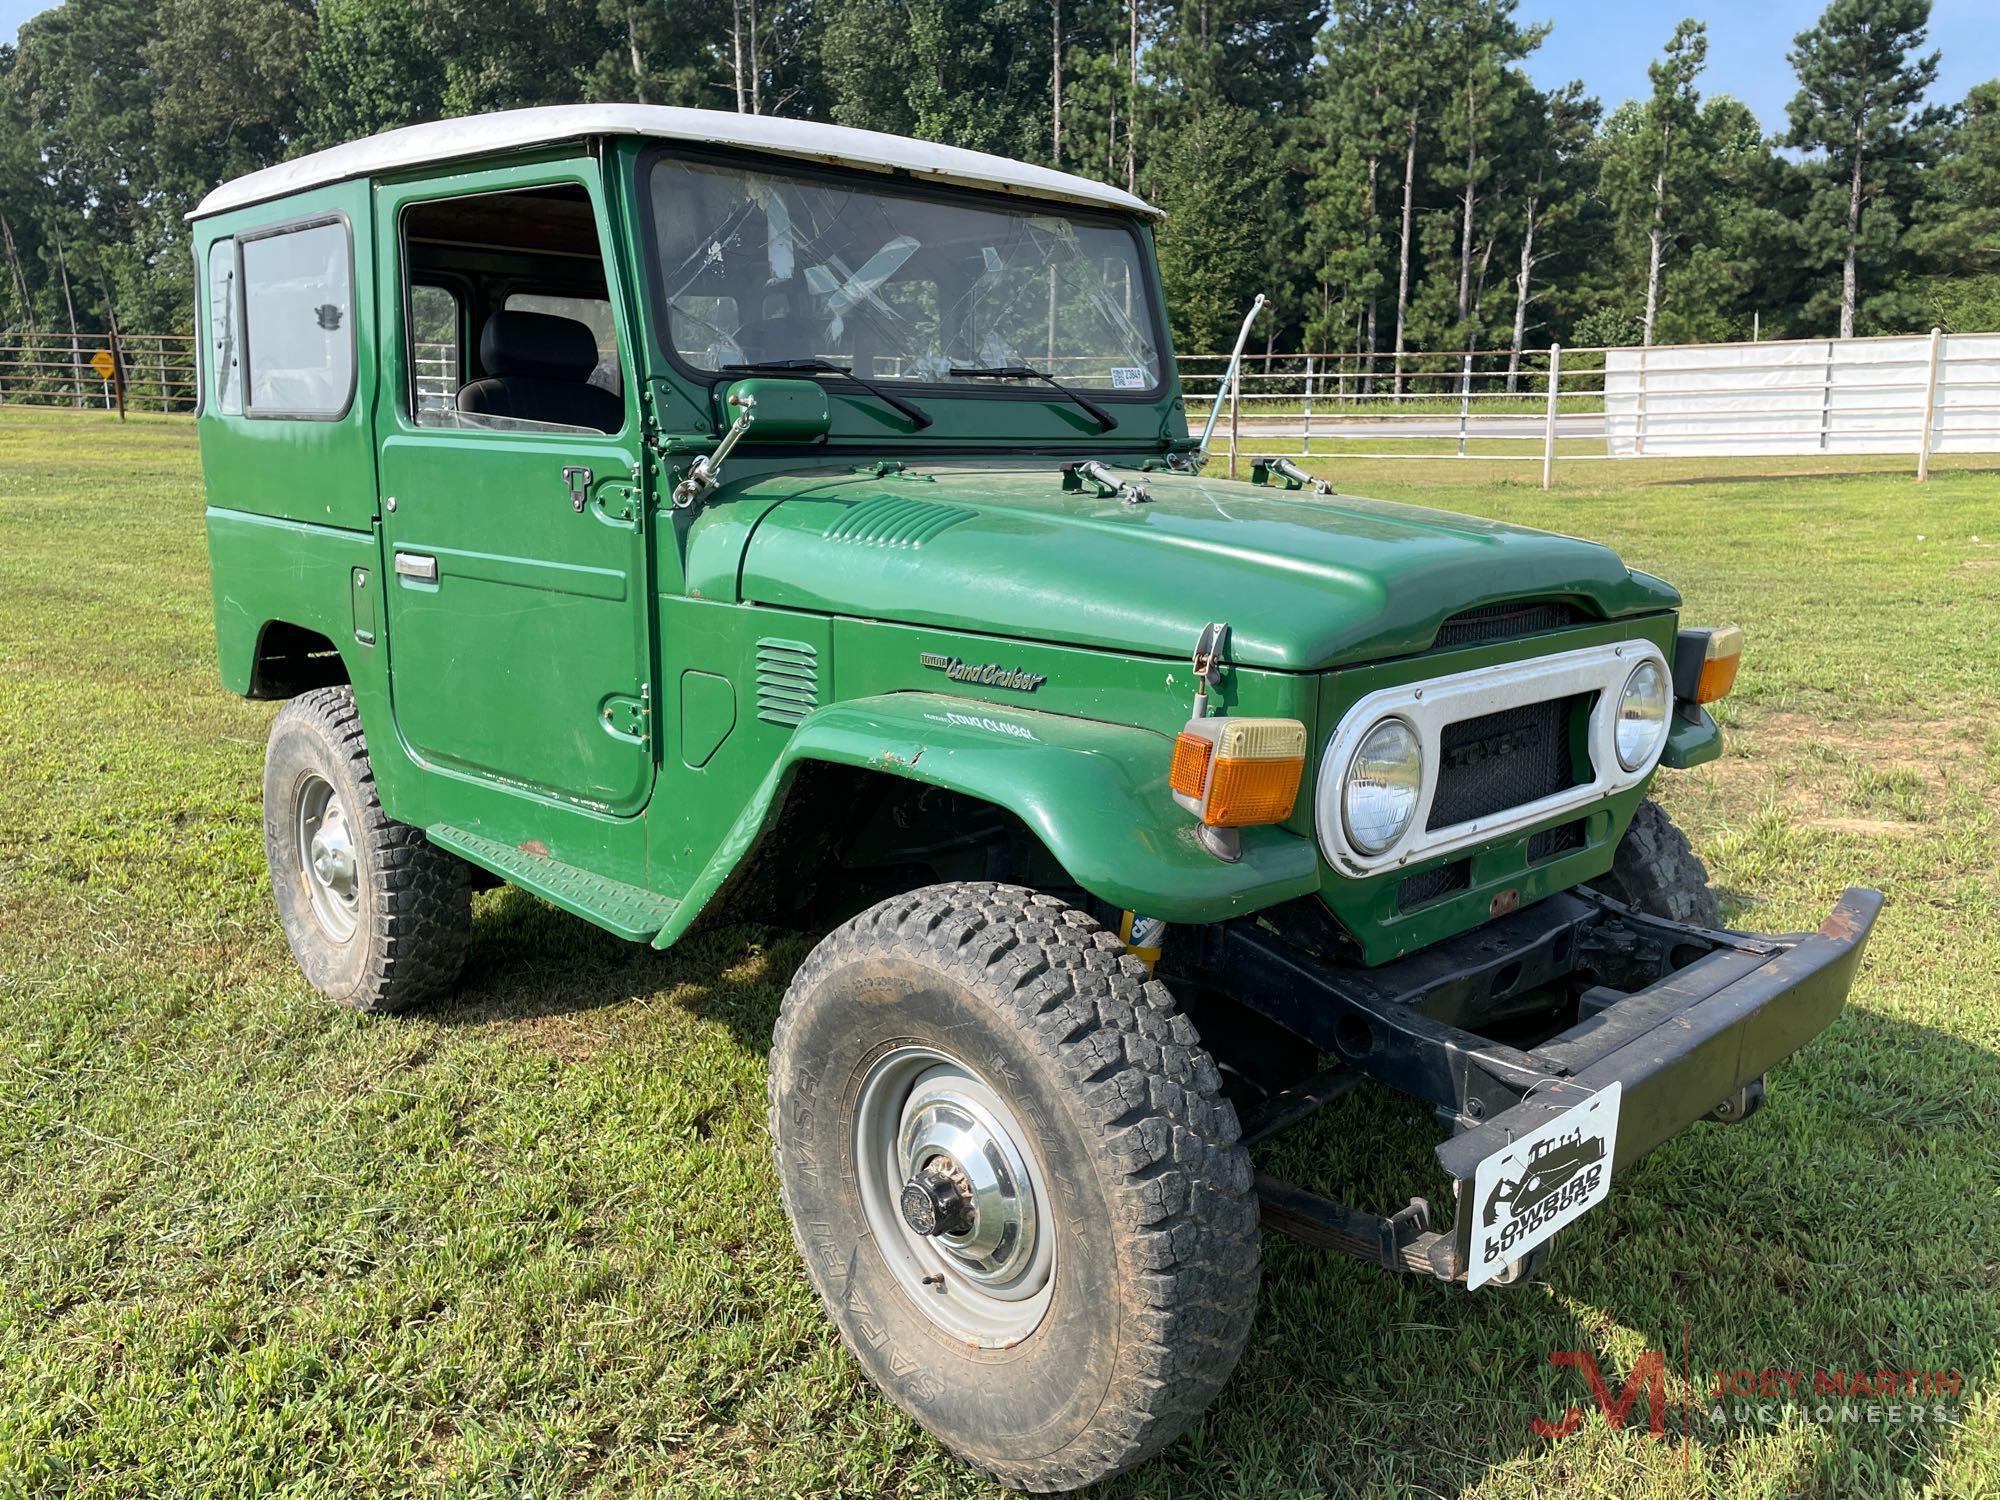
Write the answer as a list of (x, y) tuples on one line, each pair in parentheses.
[(1505, 903), (535, 847), (1843, 924)]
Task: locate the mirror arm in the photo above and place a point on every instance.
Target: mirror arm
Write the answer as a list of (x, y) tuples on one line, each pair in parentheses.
[(704, 474)]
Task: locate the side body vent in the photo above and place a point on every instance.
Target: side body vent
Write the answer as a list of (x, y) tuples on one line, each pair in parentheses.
[(787, 681), (891, 521)]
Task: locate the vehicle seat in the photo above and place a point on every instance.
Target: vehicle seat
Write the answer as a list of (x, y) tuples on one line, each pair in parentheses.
[(538, 370)]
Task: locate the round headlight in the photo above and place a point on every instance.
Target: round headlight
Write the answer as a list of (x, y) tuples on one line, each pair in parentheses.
[(1642, 715), (1378, 796)]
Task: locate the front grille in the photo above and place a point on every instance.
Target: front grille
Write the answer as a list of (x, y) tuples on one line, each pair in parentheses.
[(1557, 840), (1504, 622), (1434, 885), (1501, 760)]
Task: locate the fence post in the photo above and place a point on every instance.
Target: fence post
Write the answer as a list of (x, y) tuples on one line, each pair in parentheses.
[(1930, 407), (1306, 442), (1549, 426), (1464, 399), (118, 371), (1235, 420)]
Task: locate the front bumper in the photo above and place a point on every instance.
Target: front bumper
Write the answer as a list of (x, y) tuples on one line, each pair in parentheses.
[(1682, 1046), (1696, 1018)]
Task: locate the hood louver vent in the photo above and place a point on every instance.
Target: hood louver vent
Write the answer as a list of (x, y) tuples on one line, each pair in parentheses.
[(890, 521), (1505, 622), (787, 681)]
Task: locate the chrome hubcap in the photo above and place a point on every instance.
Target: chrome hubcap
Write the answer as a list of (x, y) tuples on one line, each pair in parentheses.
[(954, 1197), (327, 859)]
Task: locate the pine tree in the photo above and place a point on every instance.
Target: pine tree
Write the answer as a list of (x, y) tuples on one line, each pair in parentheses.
[(1210, 247), (1486, 115), (1561, 125), (1858, 103), (1650, 172)]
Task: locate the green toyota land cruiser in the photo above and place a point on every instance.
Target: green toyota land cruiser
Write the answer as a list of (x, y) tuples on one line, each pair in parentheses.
[(676, 513)]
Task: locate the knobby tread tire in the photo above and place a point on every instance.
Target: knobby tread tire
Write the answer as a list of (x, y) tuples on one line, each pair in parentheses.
[(1656, 871), (416, 919), (1146, 1102)]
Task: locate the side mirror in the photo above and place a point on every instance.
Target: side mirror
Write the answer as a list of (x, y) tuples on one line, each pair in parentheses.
[(760, 411), (787, 411)]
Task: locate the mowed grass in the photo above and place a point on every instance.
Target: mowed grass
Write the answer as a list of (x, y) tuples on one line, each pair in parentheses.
[(527, 1242)]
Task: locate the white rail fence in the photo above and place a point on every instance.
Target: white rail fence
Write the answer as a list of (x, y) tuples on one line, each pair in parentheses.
[(1919, 396), (111, 371)]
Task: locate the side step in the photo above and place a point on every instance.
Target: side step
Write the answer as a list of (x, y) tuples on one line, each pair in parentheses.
[(628, 910)]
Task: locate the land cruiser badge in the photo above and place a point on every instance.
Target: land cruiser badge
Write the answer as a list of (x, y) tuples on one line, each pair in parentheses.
[(982, 674)]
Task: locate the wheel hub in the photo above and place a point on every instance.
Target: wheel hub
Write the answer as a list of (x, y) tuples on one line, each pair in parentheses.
[(938, 1201), (328, 858), (952, 1193), (949, 1141)]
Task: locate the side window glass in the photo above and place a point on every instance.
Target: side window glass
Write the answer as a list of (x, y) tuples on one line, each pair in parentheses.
[(438, 369), (298, 293), (595, 313), (225, 339)]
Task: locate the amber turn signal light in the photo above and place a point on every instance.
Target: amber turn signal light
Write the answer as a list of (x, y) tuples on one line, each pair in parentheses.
[(1705, 663), (1190, 770), (1235, 773)]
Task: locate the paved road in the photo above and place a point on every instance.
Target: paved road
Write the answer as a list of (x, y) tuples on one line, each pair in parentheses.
[(1568, 425)]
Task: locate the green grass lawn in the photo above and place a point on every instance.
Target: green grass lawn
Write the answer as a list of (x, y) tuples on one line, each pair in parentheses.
[(527, 1242)]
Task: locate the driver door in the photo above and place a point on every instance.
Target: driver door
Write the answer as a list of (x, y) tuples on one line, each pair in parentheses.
[(518, 609)]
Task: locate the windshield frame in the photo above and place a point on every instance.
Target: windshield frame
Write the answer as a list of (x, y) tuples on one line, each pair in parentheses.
[(897, 184)]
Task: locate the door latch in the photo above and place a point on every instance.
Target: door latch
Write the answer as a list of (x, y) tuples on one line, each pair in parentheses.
[(579, 480)]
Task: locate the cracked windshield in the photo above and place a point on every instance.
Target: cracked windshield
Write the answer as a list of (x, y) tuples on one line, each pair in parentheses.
[(764, 267)]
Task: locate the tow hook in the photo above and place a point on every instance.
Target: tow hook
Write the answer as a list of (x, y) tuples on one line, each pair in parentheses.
[(1740, 1105)]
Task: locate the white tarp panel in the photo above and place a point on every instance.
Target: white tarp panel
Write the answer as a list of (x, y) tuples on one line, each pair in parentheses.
[(1801, 397)]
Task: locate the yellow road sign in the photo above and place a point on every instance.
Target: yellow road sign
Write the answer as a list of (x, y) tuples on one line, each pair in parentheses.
[(102, 363)]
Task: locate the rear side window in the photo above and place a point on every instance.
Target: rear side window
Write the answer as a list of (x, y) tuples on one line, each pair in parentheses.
[(436, 364), (298, 294), (225, 338)]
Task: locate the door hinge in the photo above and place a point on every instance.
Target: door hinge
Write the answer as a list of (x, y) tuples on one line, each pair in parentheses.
[(625, 715)]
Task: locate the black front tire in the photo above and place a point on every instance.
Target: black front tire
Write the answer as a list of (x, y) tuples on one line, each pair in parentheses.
[(1656, 871), (1148, 1191), (398, 928)]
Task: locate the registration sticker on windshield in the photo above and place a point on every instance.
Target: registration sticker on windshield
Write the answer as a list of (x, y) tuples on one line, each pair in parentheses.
[(1551, 1177), (1129, 378)]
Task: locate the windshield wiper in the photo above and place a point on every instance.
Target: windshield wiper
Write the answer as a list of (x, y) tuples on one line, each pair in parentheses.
[(1105, 421), (813, 364)]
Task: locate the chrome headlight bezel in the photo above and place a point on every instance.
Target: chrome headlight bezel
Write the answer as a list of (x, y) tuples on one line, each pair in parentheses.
[(1414, 760), (1651, 726), (1430, 705)]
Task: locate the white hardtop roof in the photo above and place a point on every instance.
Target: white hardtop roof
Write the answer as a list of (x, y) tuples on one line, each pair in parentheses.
[(517, 129)]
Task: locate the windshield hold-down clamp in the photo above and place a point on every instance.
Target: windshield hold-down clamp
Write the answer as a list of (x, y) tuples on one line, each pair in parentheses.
[(1264, 470), (705, 473), (1107, 483)]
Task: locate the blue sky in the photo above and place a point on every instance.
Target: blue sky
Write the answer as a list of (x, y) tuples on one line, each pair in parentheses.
[(1607, 43)]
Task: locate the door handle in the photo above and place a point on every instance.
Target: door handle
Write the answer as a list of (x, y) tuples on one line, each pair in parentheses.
[(578, 478), (413, 565)]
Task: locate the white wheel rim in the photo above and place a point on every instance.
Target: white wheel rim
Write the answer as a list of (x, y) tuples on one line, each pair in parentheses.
[(329, 862), (935, 1145)]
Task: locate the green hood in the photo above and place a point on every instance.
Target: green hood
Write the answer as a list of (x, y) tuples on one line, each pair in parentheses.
[(1305, 582)]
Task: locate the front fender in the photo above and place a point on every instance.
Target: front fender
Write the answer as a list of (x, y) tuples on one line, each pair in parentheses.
[(1094, 793)]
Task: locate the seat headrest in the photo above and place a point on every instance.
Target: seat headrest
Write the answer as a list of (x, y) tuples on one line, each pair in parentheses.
[(539, 345)]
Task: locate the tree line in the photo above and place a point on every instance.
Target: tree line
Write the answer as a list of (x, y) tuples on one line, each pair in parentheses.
[(1385, 170)]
